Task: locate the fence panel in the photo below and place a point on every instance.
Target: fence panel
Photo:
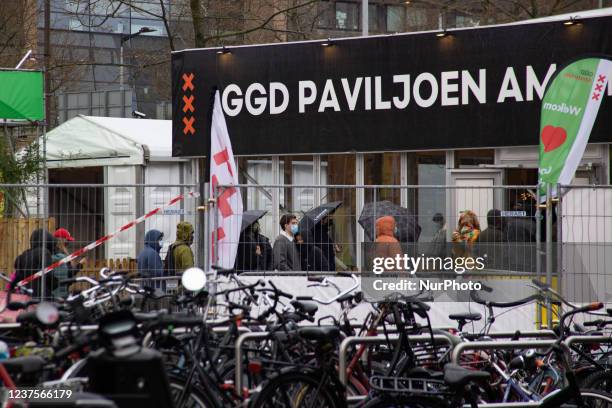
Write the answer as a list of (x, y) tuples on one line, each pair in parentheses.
[(498, 222), (586, 239), (92, 212)]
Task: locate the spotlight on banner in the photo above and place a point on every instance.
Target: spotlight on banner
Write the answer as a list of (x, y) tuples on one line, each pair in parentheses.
[(571, 21), (442, 34), (224, 50), (327, 43)]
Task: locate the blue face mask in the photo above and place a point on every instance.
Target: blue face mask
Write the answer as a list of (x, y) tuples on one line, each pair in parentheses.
[(294, 228)]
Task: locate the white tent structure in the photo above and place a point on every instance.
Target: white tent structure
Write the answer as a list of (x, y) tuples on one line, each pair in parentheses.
[(129, 152), (86, 141)]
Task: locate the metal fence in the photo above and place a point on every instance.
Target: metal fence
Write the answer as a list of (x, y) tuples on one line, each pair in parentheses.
[(431, 221), (571, 251), (500, 221), (90, 212), (584, 230)]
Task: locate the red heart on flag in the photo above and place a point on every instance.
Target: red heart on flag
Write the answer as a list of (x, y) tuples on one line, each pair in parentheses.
[(553, 137)]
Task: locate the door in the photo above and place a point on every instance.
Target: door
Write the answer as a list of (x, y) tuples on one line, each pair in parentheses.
[(473, 190)]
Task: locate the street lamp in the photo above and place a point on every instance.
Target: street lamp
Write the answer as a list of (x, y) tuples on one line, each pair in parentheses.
[(128, 37)]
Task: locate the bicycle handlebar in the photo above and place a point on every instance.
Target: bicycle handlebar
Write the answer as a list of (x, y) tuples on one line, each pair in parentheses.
[(342, 293), (476, 298)]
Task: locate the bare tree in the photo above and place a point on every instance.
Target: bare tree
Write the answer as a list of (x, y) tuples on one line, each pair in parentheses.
[(502, 11)]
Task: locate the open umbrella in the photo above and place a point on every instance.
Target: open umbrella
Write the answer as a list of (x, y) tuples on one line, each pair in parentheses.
[(407, 227), (314, 216), (250, 217)]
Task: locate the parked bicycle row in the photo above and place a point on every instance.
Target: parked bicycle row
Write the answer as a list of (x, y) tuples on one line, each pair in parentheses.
[(225, 341)]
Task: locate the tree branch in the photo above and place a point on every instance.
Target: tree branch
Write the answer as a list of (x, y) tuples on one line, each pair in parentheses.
[(262, 25), (197, 19), (167, 25)]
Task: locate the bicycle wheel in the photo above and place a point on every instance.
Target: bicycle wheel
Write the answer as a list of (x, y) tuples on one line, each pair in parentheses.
[(197, 397), (596, 399), (297, 389), (600, 380)]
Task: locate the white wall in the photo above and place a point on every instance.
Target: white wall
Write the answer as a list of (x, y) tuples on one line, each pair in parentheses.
[(120, 205)]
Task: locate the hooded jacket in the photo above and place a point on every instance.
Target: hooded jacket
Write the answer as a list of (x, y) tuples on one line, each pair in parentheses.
[(31, 261), (387, 246), (149, 262), (181, 248)]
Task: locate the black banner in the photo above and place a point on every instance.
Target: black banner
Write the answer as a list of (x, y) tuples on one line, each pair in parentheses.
[(477, 87)]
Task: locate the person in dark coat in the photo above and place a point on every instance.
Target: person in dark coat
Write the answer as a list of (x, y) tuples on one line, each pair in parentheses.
[(149, 261), (31, 261), (521, 234), (286, 255), (492, 242), (263, 249), (311, 257), (520, 229), (248, 256), (321, 238), (254, 251), (495, 228), (266, 251)]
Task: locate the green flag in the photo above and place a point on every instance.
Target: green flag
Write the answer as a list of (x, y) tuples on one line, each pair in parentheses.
[(21, 95), (569, 109)]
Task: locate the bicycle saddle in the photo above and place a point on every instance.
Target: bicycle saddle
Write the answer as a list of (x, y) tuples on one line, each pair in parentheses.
[(468, 317), (319, 333), (24, 365), (146, 316), (305, 307), (348, 296), (456, 375)]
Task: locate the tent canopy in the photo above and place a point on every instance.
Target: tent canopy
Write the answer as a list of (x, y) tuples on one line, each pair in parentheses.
[(86, 141)]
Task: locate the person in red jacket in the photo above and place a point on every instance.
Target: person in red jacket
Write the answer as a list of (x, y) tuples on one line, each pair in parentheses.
[(387, 246)]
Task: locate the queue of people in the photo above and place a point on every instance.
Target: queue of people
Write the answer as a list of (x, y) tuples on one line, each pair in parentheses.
[(312, 249)]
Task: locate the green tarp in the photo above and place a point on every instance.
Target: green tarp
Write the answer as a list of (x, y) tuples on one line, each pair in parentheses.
[(21, 95)]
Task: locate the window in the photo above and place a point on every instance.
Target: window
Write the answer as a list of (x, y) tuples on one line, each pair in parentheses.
[(347, 16), (257, 172), (373, 17), (326, 18), (416, 18), (340, 169), (427, 169), (297, 170), (381, 169), (473, 157), (75, 24), (466, 21), (395, 18)]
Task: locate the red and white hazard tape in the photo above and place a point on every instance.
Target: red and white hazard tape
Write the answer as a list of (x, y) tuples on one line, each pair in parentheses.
[(102, 240)]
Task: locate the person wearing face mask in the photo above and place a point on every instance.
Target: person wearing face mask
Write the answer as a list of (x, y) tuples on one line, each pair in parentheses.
[(285, 254)]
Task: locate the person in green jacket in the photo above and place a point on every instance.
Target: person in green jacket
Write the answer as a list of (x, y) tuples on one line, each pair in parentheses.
[(180, 253)]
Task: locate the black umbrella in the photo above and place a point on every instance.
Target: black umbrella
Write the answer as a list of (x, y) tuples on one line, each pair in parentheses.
[(250, 217), (314, 216), (408, 229)]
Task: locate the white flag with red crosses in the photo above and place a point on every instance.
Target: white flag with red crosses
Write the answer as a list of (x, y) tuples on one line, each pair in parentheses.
[(226, 219)]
